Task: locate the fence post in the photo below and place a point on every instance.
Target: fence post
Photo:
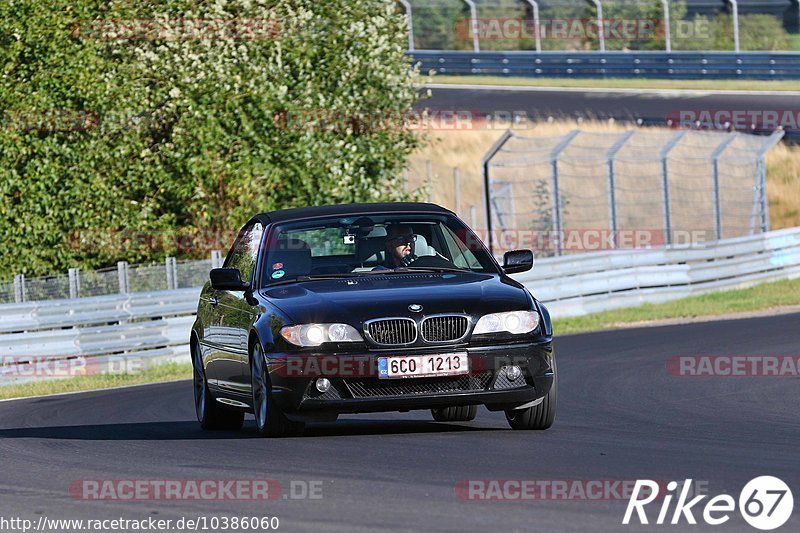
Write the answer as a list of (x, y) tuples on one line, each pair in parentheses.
[(612, 195), (715, 182), (457, 185), (600, 30), (665, 184), (538, 37), (735, 6), (216, 259), (19, 288), (74, 283), (761, 176), (407, 6), (557, 222), (172, 273), (429, 177), (487, 183), (473, 24), (122, 276)]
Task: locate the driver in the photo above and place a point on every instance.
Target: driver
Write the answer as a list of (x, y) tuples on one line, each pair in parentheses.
[(399, 246)]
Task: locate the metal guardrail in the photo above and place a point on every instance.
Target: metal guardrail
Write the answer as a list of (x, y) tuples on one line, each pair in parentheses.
[(589, 283), (154, 327), (638, 64)]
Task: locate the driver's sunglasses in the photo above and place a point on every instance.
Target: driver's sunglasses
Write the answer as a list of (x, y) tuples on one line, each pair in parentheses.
[(403, 239)]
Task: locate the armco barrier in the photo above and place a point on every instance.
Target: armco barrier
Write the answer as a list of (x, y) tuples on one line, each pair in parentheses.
[(644, 64), (588, 283), (154, 327)]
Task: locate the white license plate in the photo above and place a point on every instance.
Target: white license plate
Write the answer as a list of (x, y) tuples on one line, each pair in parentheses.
[(408, 366)]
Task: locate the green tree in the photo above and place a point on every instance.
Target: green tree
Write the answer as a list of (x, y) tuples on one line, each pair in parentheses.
[(190, 134)]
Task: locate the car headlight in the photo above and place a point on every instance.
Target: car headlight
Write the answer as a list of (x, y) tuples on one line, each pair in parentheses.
[(515, 322), (316, 334)]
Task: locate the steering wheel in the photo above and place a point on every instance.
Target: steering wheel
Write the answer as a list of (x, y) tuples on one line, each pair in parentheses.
[(407, 260)]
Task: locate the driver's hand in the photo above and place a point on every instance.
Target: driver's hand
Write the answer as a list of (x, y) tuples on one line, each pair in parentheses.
[(407, 260)]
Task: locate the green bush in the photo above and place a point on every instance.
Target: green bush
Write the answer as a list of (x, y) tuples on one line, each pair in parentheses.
[(190, 136), (756, 32)]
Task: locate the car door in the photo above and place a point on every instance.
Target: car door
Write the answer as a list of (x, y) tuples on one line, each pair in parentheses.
[(236, 312)]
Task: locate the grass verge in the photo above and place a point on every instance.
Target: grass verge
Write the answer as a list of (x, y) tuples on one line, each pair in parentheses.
[(760, 297), (154, 374), (621, 83)]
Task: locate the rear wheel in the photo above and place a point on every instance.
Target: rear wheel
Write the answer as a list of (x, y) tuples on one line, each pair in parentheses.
[(539, 416), (210, 413), (463, 413), (270, 420)]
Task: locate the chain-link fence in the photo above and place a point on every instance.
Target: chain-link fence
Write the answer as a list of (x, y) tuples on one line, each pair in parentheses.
[(589, 190), (599, 25), (122, 279)]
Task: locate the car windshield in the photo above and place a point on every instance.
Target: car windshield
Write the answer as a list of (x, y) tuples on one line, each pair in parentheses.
[(372, 245)]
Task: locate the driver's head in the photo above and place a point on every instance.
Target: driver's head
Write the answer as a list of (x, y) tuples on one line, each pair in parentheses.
[(399, 242)]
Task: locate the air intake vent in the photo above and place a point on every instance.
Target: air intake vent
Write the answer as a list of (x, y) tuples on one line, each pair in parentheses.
[(391, 331), (444, 328), (371, 388)]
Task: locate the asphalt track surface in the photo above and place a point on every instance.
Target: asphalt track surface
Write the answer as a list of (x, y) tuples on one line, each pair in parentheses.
[(652, 108), (621, 416)]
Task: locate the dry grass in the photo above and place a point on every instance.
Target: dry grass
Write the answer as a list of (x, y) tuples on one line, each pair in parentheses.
[(464, 149), (783, 186)]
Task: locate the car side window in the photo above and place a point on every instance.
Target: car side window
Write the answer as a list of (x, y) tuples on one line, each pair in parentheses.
[(244, 252)]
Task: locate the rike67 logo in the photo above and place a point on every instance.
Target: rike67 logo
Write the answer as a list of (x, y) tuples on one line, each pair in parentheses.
[(765, 503)]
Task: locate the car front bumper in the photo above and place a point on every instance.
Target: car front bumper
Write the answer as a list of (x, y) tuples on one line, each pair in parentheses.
[(355, 387)]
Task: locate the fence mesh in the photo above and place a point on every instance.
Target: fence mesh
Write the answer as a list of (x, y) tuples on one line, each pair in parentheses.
[(140, 278), (622, 190)]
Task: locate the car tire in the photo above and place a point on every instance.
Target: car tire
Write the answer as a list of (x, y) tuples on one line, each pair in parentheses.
[(270, 420), (462, 413), (210, 413), (540, 416)]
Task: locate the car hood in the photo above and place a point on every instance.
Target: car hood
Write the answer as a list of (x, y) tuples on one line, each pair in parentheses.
[(358, 299)]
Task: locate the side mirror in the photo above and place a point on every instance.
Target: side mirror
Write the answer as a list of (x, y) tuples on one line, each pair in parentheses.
[(515, 261), (228, 279)]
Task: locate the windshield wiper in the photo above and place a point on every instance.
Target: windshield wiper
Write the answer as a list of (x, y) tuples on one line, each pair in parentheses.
[(430, 269), (334, 275), (345, 275)]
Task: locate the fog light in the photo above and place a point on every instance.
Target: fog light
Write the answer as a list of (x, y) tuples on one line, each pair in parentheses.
[(323, 384), (513, 372)]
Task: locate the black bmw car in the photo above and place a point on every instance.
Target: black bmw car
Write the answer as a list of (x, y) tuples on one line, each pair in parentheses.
[(361, 308)]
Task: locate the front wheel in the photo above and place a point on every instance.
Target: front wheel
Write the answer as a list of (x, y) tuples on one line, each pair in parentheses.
[(210, 413), (270, 420), (539, 416)]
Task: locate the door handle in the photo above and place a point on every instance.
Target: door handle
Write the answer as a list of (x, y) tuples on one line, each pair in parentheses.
[(213, 301)]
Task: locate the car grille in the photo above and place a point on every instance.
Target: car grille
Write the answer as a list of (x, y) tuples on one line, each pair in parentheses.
[(392, 331), (444, 328), (371, 387)]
